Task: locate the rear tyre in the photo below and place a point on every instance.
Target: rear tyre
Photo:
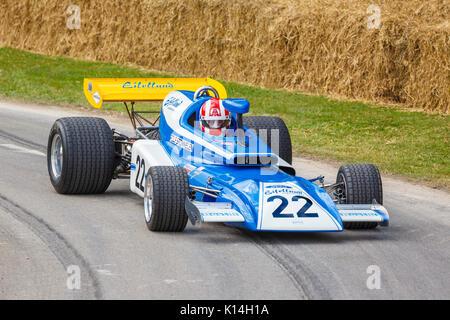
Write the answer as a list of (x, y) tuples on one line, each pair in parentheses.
[(166, 189), (263, 127), (80, 155), (361, 184)]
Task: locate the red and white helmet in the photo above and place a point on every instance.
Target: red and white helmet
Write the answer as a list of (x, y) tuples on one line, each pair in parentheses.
[(214, 118)]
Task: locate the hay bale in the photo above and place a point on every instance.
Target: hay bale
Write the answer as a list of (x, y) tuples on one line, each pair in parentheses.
[(321, 47)]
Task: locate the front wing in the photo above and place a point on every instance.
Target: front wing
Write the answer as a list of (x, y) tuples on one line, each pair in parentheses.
[(224, 212)]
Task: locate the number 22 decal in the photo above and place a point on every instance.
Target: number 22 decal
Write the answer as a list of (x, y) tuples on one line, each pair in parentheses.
[(140, 165), (301, 213)]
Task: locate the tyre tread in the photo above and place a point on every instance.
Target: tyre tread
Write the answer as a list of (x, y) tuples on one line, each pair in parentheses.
[(363, 185), (88, 155), (170, 189)]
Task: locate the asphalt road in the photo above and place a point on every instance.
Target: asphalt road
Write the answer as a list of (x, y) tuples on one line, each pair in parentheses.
[(46, 238)]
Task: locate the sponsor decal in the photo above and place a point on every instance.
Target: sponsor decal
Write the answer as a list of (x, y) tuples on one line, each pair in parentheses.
[(189, 167), (220, 214), (181, 143), (359, 214), (175, 102), (96, 97), (150, 85), (196, 172), (281, 189)]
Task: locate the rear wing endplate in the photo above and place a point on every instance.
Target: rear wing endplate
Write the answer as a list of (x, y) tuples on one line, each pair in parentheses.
[(100, 90)]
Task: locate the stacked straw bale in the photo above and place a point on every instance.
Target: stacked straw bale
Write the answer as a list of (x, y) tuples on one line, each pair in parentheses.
[(315, 46)]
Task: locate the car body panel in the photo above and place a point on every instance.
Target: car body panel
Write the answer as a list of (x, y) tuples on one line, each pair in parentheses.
[(268, 198), (146, 154)]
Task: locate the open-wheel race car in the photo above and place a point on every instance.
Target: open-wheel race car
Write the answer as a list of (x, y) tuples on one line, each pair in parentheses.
[(243, 178)]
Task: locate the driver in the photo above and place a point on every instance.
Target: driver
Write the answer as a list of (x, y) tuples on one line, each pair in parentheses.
[(214, 118)]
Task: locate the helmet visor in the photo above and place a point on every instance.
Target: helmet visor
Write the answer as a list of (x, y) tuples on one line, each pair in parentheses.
[(216, 124)]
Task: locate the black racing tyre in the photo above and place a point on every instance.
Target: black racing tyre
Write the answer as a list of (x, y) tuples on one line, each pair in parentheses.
[(259, 123), (361, 185), (166, 189), (80, 155)]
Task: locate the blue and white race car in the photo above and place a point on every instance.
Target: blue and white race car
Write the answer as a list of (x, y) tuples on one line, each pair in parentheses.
[(244, 179)]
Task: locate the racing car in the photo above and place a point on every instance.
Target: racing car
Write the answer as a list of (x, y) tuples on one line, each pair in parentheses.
[(244, 179)]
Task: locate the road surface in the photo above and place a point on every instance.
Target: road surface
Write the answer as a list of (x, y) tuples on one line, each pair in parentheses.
[(56, 246)]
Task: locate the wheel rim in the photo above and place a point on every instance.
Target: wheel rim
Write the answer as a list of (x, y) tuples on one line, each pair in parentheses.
[(56, 156), (148, 198), (340, 192)]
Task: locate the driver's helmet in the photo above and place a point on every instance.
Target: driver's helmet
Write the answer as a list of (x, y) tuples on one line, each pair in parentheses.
[(214, 118)]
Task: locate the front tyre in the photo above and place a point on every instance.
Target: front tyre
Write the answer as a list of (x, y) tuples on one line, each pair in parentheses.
[(80, 155), (166, 189), (360, 184)]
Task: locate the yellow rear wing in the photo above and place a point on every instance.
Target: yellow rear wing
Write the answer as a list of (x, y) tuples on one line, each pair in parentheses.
[(100, 90)]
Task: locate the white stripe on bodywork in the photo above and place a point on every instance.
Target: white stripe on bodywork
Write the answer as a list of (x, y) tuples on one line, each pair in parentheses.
[(153, 154), (173, 121)]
